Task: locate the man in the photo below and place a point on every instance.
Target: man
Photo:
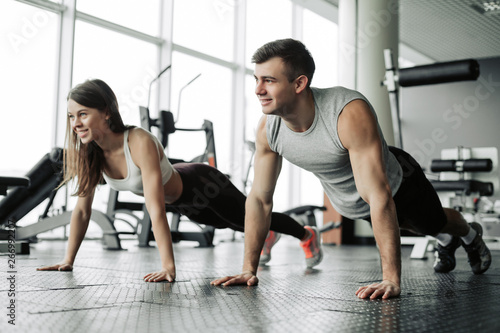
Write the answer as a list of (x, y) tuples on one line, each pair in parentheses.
[(334, 134)]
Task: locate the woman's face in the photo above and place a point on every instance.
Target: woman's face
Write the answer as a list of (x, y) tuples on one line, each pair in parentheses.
[(89, 124)]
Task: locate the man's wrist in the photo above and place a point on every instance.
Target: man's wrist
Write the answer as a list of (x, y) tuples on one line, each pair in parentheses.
[(249, 270), (394, 281)]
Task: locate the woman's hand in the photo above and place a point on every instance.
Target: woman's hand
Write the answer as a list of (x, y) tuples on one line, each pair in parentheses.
[(164, 274), (63, 266)]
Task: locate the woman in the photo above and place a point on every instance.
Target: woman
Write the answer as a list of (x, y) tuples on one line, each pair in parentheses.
[(100, 147)]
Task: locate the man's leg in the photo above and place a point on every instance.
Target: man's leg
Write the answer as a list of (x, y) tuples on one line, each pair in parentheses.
[(467, 235), (448, 240), (419, 209), (456, 225)]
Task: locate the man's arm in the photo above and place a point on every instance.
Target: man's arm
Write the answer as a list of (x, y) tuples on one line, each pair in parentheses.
[(358, 132), (259, 206)]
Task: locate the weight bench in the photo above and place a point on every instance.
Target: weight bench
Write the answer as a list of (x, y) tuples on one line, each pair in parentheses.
[(6, 246), (44, 178), (6, 182)]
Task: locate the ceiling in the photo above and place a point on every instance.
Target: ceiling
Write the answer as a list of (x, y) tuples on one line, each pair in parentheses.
[(446, 30)]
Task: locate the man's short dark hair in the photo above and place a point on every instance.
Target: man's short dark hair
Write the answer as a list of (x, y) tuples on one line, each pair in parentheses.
[(295, 56)]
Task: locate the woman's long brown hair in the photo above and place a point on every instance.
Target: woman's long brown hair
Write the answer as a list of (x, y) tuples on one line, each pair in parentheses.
[(86, 161)]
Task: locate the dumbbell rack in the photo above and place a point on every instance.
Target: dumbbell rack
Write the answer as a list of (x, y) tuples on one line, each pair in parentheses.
[(465, 176)]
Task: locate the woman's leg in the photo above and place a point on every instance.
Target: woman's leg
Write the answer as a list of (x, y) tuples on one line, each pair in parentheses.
[(210, 198)]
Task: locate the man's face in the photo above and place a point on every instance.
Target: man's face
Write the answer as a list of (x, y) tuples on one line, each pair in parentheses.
[(276, 94)]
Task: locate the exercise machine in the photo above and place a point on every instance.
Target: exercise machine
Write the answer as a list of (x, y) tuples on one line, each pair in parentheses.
[(9, 230), (467, 177), (44, 179), (453, 71), (438, 73), (166, 125), (8, 182)]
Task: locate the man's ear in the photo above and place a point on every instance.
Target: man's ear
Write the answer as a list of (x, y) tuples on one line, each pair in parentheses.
[(301, 83)]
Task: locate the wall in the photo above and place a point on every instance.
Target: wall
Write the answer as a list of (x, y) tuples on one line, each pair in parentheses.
[(440, 116)]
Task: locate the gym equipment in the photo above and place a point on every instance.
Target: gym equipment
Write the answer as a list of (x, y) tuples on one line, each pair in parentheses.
[(471, 165), (6, 182), (454, 71), (471, 175), (19, 247), (465, 175), (44, 179), (166, 124), (464, 172), (462, 70)]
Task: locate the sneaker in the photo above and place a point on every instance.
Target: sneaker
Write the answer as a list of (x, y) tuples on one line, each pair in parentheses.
[(271, 239), (479, 255), (312, 247), (445, 256)]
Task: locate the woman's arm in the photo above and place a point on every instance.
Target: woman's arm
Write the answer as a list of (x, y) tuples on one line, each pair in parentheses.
[(78, 227), (146, 155)]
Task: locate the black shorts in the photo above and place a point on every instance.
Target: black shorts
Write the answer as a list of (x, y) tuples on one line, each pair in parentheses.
[(417, 203)]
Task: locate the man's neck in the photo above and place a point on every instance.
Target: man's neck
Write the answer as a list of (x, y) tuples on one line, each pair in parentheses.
[(302, 116)]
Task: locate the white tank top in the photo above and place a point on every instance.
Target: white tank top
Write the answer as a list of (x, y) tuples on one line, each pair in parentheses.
[(133, 181)]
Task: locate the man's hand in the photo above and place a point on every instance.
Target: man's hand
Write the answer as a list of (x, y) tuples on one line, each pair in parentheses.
[(63, 266), (246, 277), (386, 289), (164, 274)]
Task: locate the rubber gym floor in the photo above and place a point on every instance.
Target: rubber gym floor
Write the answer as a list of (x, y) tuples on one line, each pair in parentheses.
[(105, 292)]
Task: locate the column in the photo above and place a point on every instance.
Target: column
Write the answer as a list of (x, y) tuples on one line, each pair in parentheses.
[(366, 28)]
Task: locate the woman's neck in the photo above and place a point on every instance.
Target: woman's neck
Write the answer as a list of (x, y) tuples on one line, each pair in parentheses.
[(111, 142)]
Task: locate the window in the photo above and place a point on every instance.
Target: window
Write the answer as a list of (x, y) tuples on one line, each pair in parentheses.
[(126, 64), (205, 26), (208, 97), (266, 21), (140, 15), (263, 26), (253, 108), (29, 58), (320, 36), (202, 41)]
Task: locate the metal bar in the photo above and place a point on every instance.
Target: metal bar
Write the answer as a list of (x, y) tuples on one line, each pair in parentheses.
[(118, 28), (45, 4)]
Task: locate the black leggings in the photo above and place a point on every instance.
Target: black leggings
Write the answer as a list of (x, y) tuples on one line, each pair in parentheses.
[(208, 197)]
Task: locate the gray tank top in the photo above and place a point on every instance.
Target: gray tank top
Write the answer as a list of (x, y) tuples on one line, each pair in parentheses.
[(320, 151)]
